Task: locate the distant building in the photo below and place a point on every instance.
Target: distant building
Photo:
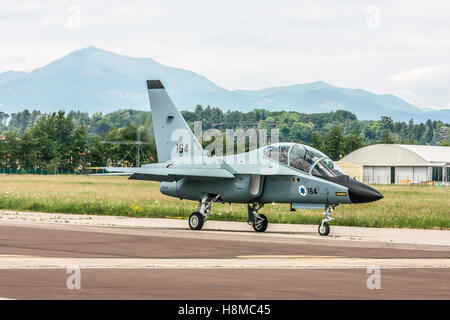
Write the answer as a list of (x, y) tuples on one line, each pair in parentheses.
[(399, 164)]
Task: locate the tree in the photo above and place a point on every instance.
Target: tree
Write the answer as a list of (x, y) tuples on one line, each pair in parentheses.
[(58, 141), (429, 132), (3, 119), (387, 137), (332, 145), (20, 121), (386, 122), (351, 143), (316, 141), (53, 143)]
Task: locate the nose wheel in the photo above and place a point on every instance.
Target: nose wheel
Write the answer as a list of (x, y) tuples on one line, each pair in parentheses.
[(324, 227)]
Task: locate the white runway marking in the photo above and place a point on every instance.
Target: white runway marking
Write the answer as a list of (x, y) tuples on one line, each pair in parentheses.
[(261, 262)]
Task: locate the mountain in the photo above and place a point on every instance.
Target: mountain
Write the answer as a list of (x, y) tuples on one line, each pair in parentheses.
[(92, 79), (323, 97), (11, 75)]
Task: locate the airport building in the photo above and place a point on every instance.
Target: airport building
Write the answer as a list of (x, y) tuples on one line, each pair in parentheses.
[(399, 164)]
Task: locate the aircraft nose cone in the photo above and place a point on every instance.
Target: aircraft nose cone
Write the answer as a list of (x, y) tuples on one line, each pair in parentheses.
[(361, 193), (358, 192)]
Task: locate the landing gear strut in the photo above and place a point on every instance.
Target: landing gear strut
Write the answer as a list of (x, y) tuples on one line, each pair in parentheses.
[(324, 227), (258, 221), (197, 219)]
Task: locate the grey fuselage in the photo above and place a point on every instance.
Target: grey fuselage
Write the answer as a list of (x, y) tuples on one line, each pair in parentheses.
[(279, 189), (289, 186)]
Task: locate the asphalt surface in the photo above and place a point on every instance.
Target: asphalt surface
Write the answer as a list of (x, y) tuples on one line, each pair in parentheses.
[(173, 263)]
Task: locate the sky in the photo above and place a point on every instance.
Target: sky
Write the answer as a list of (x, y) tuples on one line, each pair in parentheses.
[(398, 47)]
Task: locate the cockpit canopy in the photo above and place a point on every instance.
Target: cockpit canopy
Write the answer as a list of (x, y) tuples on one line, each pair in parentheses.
[(304, 158)]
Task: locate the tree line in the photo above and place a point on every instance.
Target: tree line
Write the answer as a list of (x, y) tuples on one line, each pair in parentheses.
[(59, 141), (76, 140)]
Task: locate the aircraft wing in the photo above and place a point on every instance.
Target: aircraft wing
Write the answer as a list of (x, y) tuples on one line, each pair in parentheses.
[(109, 174), (162, 172), (212, 171)]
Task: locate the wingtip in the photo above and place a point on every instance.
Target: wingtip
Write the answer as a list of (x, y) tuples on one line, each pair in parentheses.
[(154, 84)]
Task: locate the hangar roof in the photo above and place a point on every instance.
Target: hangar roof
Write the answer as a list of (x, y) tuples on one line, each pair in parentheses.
[(399, 155)]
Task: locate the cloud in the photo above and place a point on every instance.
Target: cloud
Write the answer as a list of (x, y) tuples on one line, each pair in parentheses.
[(427, 86), (430, 74), (442, 107), (249, 44), (11, 60)]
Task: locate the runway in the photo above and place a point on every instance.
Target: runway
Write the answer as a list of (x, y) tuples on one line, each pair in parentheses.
[(127, 258)]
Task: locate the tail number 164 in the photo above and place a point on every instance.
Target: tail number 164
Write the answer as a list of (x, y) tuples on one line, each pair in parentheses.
[(182, 148)]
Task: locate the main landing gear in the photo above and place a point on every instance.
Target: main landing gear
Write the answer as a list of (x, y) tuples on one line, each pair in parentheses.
[(324, 227), (258, 221), (197, 219)]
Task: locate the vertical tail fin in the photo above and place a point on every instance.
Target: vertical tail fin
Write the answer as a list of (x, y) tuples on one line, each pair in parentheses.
[(173, 136)]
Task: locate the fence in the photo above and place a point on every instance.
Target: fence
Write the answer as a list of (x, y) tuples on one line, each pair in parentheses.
[(401, 180), (46, 172)]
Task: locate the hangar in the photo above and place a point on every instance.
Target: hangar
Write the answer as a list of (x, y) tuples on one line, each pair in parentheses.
[(399, 164)]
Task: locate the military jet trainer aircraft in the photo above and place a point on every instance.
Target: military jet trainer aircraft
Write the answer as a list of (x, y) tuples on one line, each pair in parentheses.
[(279, 173)]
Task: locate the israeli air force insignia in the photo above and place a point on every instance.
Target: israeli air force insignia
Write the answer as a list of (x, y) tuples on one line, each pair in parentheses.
[(302, 191)]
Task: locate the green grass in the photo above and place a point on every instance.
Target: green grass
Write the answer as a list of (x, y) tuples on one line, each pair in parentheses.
[(425, 207)]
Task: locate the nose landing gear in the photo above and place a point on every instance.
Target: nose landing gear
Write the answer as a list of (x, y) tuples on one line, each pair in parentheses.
[(324, 227)]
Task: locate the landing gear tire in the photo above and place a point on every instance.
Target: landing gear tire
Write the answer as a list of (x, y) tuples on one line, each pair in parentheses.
[(324, 229), (261, 223), (196, 221)]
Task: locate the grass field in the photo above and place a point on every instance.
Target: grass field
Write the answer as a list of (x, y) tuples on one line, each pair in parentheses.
[(402, 207)]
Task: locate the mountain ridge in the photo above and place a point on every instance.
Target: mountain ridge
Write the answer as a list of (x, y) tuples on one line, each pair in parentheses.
[(93, 80)]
